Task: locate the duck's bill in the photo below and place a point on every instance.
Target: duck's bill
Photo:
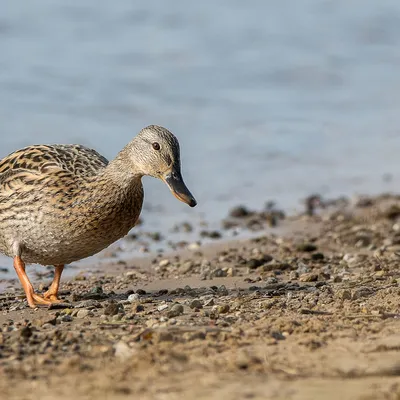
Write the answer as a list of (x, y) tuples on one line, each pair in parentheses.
[(178, 188)]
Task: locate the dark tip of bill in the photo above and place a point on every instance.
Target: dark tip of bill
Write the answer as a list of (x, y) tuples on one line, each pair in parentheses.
[(193, 203)]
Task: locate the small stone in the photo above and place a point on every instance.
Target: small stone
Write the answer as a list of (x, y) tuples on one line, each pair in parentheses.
[(219, 273), (311, 277), (344, 294), (112, 309), (162, 307), (26, 332), (164, 263), (278, 335), (196, 304), (97, 290), (163, 336), (302, 268), (193, 246), (176, 310), (362, 292), (123, 351), (306, 247), (132, 298), (139, 308), (67, 318), (209, 303), (222, 290), (317, 256), (222, 309), (83, 313), (141, 292), (239, 212)]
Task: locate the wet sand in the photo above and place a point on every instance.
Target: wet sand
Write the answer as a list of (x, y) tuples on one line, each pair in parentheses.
[(306, 309)]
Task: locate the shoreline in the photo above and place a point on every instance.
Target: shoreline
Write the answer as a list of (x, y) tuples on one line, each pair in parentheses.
[(307, 311)]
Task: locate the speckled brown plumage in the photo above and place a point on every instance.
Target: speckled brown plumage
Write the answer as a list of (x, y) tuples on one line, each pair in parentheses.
[(62, 203)]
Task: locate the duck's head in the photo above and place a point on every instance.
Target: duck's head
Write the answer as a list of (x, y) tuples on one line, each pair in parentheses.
[(157, 154)]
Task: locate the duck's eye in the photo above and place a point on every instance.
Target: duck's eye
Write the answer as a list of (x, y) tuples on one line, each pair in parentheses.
[(156, 146)]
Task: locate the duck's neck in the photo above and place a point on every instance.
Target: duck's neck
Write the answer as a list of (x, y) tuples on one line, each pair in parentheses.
[(121, 172), (117, 193)]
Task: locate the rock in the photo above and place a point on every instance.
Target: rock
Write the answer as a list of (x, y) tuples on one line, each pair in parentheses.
[(97, 290), (344, 294), (187, 267), (83, 313), (123, 351), (211, 234), (164, 336), (193, 246), (302, 268), (88, 304), (278, 335), (26, 332), (311, 277), (317, 256), (112, 309), (175, 311), (164, 263), (162, 307), (132, 298), (196, 304), (139, 308), (306, 247), (219, 273), (141, 292), (239, 212), (209, 303), (221, 309), (362, 292), (222, 291)]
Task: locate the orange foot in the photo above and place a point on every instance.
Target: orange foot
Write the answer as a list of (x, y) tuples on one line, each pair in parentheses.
[(33, 299)]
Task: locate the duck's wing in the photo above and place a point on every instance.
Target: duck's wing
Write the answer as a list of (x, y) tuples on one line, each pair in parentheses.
[(77, 160), (33, 170)]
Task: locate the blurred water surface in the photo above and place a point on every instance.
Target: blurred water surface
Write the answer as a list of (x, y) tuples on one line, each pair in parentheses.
[(270, 100)]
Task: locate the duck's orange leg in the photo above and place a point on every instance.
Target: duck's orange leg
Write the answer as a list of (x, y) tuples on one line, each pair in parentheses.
[(52, 293), (32, 298)]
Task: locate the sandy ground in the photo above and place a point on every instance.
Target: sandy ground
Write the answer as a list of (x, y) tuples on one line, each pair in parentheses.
[(309, 312)]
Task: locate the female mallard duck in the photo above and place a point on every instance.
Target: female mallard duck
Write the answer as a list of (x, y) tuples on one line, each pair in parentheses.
[(62, 203)]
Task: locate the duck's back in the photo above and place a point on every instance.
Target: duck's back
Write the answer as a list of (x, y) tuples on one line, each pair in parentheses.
[(75, 159)]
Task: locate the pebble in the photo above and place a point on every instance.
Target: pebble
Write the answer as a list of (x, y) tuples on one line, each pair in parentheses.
[(221, 309), (222, 291), (112, 309), (162, 307), (196, 304), (123, 351), (239, 212), (83, 313), (209, 303), (176, 310), (344, 294), (164, 263), (219, 273), (139, 308), (26, 332), (311, 277), (306, 247), (132, 298), (193, 246)]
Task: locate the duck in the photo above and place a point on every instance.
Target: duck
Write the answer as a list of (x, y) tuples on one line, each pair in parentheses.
[(63, 203)]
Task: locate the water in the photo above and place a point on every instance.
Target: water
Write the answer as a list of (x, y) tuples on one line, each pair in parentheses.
[(270, 100)]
